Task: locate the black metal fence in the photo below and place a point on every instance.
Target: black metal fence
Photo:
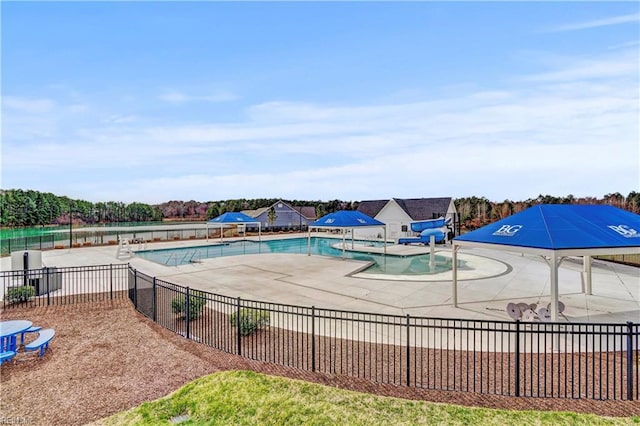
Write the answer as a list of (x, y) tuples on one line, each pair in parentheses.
[(40, 242), (557, 360), (63, 286), (80, 238)]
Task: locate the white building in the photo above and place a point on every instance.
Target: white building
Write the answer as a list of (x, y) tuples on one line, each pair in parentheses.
[(398, 214)]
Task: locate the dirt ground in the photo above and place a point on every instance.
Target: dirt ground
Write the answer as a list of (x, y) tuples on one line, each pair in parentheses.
[(106, 357)]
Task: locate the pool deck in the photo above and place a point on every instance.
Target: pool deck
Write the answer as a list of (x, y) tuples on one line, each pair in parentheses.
[(489, 280)]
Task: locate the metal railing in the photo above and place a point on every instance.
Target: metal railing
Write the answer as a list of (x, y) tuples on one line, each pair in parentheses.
[(556, 360), (63, 286), (79, 238), (548, 360)]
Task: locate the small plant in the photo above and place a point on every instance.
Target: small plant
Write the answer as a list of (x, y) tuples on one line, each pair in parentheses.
[(197, 300), (19, 294), (251, 320)]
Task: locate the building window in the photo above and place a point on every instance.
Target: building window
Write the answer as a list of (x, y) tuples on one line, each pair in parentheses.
[(404, 228)]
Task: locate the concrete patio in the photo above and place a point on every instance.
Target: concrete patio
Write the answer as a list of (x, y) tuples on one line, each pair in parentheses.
[(491, 280)]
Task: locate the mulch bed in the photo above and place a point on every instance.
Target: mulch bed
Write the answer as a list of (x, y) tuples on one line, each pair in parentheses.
[(106, 357)]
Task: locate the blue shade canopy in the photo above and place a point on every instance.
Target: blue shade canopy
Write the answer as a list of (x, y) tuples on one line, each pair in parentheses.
[(555, 231), (562, 227), (233, 217), (345, 219)]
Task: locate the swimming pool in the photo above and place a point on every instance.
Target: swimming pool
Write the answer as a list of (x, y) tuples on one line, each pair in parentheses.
[(386, 265)]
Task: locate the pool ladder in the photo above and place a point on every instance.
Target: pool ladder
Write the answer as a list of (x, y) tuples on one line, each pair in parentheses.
[(184, 258)]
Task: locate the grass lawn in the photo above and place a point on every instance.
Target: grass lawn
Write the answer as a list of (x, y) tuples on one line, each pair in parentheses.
[(248, 398)]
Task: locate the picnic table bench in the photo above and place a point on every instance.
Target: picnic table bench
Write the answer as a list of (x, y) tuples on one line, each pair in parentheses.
[(6, 356), (31, 329), (42, 342)]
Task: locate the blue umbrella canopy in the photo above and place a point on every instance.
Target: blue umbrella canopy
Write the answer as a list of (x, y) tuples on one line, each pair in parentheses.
[(233, 217), (562, 227), (556, 231), (346, 219)]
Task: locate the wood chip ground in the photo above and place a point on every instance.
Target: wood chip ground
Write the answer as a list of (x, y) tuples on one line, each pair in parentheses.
[(106, 357)]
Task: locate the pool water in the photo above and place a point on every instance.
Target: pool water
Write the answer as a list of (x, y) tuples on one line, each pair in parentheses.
[(386, 265)]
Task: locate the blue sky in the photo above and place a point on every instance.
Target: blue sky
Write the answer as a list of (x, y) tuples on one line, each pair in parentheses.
[(159, 101)]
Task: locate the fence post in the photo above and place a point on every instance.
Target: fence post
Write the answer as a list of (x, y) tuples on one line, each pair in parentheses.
[(408, 352), (629, 360), (187, 313), (238, 325), (313, 338), (111, 281), (47, 282), (516, 373), (135, 288), (155, 309), (25, 268)]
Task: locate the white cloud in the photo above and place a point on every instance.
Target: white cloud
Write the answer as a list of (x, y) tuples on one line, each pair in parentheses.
[(120, 119), (560, 132), (626, 45), (604, 22), (617, 64), (440, 170), (27, 105), (78, 108), (175, 96)]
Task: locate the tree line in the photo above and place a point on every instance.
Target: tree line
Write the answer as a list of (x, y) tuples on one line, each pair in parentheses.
[(475, 212), (20, 208), (24, 208), (195, 210)]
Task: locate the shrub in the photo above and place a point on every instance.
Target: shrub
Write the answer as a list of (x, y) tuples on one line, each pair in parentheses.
[(251, 320), (19, 294), (197, 300)]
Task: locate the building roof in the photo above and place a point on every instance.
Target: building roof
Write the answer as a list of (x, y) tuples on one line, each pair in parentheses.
[(371, 208), (255, 213), (309, 212), (416, 208)]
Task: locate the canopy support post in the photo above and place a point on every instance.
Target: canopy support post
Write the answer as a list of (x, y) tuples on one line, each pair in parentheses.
[(432, 253), (554, 264), (587, 273), (454, 275), (344, 240), (385, 239)]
